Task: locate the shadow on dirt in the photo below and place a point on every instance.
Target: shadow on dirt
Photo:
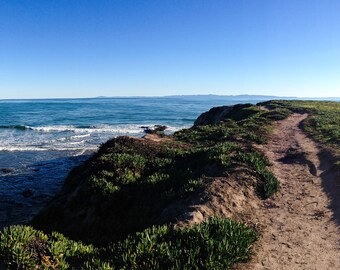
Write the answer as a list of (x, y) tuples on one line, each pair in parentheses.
[(331, 182), (294, 156)]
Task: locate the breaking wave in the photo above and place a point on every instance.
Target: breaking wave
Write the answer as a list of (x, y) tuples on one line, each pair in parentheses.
[(67, 137), (88, 129)]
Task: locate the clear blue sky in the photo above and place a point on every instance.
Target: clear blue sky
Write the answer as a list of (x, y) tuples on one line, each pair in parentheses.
[(69, 48)]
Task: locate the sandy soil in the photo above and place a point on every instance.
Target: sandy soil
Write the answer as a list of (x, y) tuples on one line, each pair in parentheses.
[(302, 221)]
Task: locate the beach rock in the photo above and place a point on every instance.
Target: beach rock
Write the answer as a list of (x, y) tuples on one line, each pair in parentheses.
[(27, 193), (157, 129), (7, 170)]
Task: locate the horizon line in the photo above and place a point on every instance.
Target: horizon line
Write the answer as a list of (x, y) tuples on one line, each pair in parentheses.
[(170, 96)]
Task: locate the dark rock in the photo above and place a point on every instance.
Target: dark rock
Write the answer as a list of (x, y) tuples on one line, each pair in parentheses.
[(160, 128), (218, 114), (213, 116), (27, 193), (157, 129), (7, 170)]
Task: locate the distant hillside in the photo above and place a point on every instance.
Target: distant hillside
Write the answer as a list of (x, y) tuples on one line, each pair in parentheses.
[(231, 97)]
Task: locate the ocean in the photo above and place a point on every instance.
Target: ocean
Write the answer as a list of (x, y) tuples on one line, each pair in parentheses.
[(42, 140)]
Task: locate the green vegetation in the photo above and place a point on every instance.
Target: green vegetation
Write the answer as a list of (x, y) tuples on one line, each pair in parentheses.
[(111, 204), (215, 244), (322, 124), (269, 184), (129, 182), (23, 247)]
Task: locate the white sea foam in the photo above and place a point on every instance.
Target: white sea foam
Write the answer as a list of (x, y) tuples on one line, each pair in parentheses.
[(36, 148), (71, 138), (52, 138), (76, 143), (119, 129), (79, 136), (20, 148), (54, 128)]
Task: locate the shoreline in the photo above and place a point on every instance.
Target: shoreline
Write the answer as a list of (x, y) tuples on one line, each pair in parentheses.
[(136, 191), (29, 186)]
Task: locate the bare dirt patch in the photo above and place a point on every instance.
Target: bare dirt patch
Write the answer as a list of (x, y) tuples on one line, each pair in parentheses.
[(301, 221), (231, 196)]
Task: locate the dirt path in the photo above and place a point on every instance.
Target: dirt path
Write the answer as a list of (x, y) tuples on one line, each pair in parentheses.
[(300, 229)]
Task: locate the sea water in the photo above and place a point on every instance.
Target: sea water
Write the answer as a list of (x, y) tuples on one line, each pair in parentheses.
[(41, 140)]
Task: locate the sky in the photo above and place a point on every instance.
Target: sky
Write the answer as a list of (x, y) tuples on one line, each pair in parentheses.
[(80, 48)]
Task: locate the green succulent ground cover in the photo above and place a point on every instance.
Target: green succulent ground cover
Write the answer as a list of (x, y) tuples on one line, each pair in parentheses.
[(128, 183), (215, 244)]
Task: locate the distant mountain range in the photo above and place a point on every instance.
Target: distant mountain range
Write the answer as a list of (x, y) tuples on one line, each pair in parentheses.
[(237, 97), (230, 97)]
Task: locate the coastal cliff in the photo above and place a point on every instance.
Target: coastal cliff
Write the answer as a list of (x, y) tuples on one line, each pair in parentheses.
[(165, 202), (219, 114), (131, 183)]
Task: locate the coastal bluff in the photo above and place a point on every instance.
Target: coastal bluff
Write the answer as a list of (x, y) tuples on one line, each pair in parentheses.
[(197, 199), (221, 113), (133, 183)]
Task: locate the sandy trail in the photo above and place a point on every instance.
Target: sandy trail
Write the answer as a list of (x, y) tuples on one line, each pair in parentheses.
[(301, 230)]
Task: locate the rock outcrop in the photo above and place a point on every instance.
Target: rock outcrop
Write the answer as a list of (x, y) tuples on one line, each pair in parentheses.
[(218, 114)]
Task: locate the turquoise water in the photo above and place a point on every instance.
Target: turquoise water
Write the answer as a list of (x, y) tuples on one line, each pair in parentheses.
[(41, 140)]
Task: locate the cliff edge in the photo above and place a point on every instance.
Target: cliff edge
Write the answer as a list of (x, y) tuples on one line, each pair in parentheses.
[(198, 199)]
